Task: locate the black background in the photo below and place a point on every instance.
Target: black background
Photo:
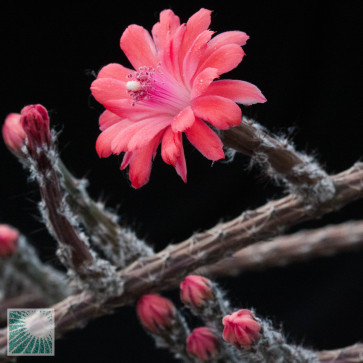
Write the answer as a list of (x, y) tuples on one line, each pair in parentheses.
[(305, 58)]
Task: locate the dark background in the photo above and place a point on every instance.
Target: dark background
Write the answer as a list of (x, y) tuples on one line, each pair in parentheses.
[(305, 58)]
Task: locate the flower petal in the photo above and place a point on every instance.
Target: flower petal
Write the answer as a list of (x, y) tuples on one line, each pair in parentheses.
[(125, 108), (165, 28), (126, 160), (193, 56), (230, 37), (202, 81), (205, 140), (197, 23), (139, 47), (138, 134), (171, 146), (224, 59), (145, 133), (170, 54), (108, 119), (183, 120), (221, 112), (116, 71), (104, 140), (106, 89), (181, 166), (141, 162), (238, 91)]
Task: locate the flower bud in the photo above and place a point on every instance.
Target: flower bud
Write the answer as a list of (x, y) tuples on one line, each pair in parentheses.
[(8, 240), (203, 344), (241, 329), (13, 133), (155, 312), (35, 122), (195, 291)]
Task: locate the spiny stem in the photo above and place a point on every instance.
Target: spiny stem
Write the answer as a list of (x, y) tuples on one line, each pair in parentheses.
[(281, 161), (351, 354), (157, 273), (288, 249), (51, 283), (74, 250), (119, 245)]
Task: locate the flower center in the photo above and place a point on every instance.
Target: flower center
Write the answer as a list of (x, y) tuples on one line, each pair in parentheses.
[(156, 88)]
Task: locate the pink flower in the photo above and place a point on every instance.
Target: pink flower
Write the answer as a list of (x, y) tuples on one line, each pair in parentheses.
[(13, 133), (195, 290), (203, 344), (155, 312), (241, 329), (8, 240), (171, 91)]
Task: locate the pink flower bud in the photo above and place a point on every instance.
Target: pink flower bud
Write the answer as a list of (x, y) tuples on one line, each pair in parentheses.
[(203, 344), (195, 290), (35, 122), (155, 312), (241, 329), (8, 240), (13, 133)]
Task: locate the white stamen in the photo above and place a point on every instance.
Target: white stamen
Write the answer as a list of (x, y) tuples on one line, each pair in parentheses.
[(133, 86)]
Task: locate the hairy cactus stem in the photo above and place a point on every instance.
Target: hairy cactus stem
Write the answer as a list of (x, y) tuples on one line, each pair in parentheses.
[(282, 162)]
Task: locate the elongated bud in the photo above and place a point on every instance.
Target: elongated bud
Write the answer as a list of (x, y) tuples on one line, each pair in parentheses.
[(8, 240), (13, 133), (35, 122), (241, 329), (155, 312), (195, 291), (203, 344)]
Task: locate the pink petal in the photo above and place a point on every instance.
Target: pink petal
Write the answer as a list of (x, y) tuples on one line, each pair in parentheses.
[(238, 91), (171, 146), (139, 47), (230, 37), (126, 160), (141, 162), (147, 132), (171, 54), (125, 108), (106, 89), (165, 28), (197, 23), (221, 112), (183, 120), (116, 71), (181, 166), (205, 140), (193, 56), (224, 59), (104, 141), (108, 119), (137, 134), (202, 81)]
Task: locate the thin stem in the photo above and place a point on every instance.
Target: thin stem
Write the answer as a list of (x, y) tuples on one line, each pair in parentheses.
[(168, 267), (351, 354), (288, 249), (280, 160), (119, 245), (74, 251)]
